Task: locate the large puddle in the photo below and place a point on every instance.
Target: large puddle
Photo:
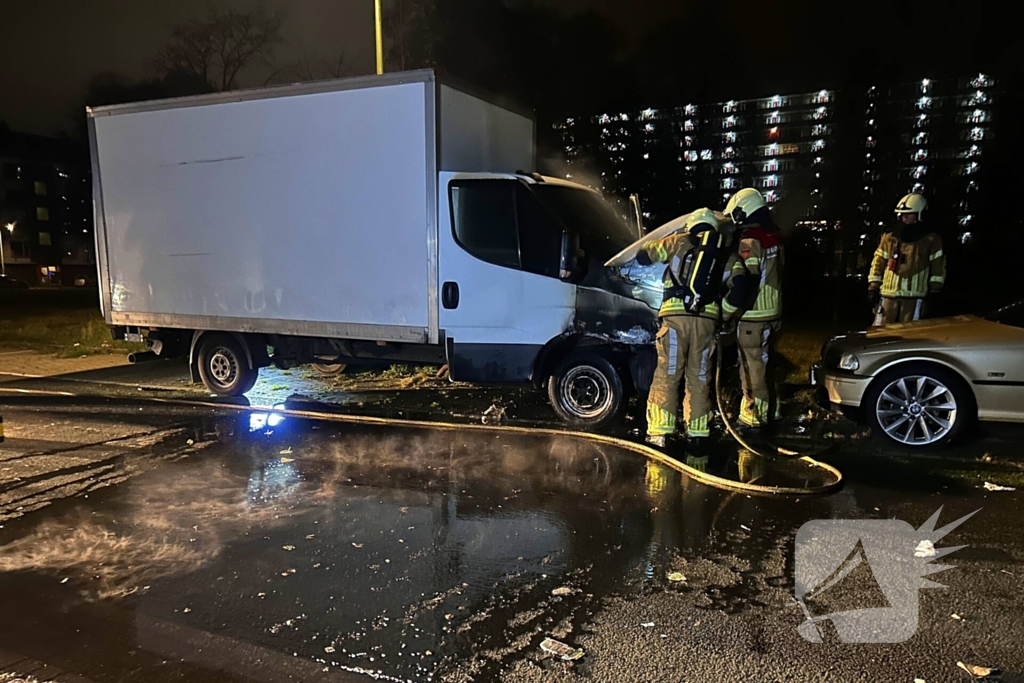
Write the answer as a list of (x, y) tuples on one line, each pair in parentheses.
[(286, 548)]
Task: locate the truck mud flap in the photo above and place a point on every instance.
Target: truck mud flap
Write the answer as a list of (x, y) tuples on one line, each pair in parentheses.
[(642, 363)]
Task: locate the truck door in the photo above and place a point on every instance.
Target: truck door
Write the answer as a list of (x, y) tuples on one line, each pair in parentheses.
[(499, 260)]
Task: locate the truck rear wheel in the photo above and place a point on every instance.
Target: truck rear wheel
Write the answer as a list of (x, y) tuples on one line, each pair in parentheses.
[(586, 391), (224, 367), (329, 369)]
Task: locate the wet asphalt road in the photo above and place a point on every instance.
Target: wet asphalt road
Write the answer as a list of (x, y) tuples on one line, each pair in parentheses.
[(146, 541)]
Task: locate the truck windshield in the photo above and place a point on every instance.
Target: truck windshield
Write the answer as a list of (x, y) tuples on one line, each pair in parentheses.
[(603, 234)]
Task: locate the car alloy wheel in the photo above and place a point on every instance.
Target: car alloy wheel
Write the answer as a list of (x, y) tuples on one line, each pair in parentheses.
[(916, 410)]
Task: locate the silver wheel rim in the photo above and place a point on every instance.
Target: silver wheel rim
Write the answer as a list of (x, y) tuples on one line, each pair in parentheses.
[(916, 410), (585, 392), (223, 367)]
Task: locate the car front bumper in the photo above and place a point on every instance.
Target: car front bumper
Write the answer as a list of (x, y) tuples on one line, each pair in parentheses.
[(845, 390)]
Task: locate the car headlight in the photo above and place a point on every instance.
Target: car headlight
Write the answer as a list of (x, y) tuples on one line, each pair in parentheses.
[(849, 362)]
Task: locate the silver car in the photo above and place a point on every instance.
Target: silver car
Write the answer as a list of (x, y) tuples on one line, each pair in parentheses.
[(920, 384)]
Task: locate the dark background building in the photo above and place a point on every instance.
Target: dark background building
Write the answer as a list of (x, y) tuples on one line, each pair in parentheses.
[(46, 196)]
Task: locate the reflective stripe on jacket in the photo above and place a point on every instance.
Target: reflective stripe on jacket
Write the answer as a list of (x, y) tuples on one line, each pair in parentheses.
[(762, 256), (908, 270)]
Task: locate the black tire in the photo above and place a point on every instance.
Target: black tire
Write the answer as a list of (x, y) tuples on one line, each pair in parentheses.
[(587, 392), (919, 406), (224, 367), (329, 369)]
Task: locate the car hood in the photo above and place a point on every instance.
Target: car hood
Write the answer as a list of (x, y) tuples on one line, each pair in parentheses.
[(965, 331)]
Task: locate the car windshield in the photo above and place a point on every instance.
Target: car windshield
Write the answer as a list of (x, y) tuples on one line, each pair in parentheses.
[(602, 232), (1012, 315)]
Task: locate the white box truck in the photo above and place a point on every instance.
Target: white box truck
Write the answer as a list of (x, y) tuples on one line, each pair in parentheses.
[(375, 218)]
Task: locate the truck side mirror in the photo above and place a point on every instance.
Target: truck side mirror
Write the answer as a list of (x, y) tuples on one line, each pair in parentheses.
[(569, 259)]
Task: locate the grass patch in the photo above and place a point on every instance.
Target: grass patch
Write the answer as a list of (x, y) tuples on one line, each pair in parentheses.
[(67, 325)]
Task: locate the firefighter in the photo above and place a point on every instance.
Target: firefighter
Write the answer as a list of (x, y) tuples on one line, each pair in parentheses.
[(760, 266), (689, 320), (908, 266)]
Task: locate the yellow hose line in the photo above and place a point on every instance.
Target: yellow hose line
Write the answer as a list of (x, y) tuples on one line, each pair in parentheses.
[(624, 444)]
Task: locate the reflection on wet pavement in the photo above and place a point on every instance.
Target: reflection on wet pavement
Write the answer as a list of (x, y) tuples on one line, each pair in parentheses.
[(408, 553)]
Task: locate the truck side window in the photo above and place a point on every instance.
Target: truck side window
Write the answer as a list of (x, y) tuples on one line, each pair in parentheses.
[(540, 235), (484, 219)]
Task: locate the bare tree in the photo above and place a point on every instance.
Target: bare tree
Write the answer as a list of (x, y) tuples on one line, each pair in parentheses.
[(410, 28), (311, 69), (218, 47)]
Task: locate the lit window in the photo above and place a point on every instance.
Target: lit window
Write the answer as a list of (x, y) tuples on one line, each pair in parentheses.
[(922, 121), (730, 137), (649, 128), (648, 114), (982, 81), (690, 155), (729, 107), (977, 134), (773, 133), (771, 196), (966, 220), (729, 167), (973, 151), (920, 155), (706, 155), (729, 183), (688, 125), (818, 161), (870, 142), (42, 214), (972, 186), (925, 84), (770, 181), (771, 150), (977, 116), (729, 153), (689, 109), (40, 188), (45, 240), (966, 237), (775, 102), (977, 98), (919, 172), (817, 145), (646, 156), (971, 168), (822, 97), (604, 119), (730, 122), (771, 166), (918, 187), (688, 141), (871, 123), (921, 139), (774, 117), (924, 103), (820, 113), (624, 118)]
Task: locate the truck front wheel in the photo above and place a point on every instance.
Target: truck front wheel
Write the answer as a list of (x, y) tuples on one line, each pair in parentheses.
[(224, 367), (586, 391)]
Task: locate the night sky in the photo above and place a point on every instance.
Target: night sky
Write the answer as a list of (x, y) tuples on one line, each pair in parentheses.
[(50, 49)]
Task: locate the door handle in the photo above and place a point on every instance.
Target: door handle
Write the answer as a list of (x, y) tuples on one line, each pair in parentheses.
[(450, 295)]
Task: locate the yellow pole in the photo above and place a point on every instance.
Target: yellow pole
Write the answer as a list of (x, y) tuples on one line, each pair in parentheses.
[(380, 37)]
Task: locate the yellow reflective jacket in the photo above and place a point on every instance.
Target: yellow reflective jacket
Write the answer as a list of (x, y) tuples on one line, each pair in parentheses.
[(670, 251), (908, 269), (761, 255)]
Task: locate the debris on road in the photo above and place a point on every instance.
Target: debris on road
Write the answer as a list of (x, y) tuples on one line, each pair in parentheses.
[(287, 451), (288, 547), (925, 549), (560, 649), (647, 624), (956, 617), (329, 649), (989, 486), (495, 415), (676, 577), (563, 590), (980, 673)]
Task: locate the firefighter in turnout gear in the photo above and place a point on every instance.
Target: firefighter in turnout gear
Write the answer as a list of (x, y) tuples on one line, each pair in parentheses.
[(908, 266), (759, 268), (693, 283)]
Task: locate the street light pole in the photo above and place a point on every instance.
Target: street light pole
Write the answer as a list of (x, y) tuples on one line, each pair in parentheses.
[(379, 36)]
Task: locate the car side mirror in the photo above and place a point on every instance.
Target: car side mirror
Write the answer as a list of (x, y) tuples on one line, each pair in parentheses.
[(568, 260)]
